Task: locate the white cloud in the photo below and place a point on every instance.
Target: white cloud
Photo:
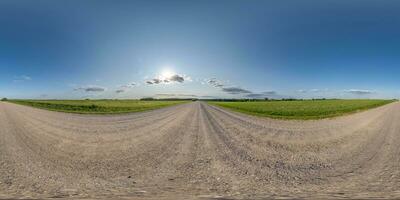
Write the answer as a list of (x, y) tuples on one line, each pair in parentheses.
[(301, 91), (315, 90), (359, 92), (215, 82), (176, 78), (22, 78), (129, 85)]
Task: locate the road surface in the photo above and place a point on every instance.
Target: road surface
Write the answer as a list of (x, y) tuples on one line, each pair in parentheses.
[(197, 151)]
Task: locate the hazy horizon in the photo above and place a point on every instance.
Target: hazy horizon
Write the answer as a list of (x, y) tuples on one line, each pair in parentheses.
[(199, 49)]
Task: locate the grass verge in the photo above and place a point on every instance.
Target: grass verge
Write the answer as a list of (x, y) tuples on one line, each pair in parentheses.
[(97, 106), (305, 109)]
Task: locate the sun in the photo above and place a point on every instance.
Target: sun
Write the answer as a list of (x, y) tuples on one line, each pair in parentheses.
[(167, 73)]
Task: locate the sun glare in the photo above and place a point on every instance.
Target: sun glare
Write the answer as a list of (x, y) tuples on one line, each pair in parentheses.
[(166, 73)]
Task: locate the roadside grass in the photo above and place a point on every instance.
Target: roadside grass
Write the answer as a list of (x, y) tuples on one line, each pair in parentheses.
[(304, 109), (97, 106)]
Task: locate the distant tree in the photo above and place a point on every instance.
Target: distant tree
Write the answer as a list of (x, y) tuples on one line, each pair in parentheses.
[(147, 99), (4, 99)]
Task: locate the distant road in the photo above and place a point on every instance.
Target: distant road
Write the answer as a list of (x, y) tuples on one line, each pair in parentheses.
[(196, 150)]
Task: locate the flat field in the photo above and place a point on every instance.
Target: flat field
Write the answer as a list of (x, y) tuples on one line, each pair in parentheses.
[(306, 109), (97, 106)]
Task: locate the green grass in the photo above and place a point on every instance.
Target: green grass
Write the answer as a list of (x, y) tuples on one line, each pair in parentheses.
[(97, 106), (307, 109)]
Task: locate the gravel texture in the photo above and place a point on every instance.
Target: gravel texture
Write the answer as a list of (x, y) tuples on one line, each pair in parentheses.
[(197, 151)]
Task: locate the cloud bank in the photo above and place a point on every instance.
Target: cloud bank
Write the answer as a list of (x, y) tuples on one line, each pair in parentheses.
[(176, 78), (261, 95), (235, 90), (359, 92), (176, 95), (129, 85), (91, 88)]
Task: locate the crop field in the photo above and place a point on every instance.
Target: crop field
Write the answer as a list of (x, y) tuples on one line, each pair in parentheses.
[(306, 109), (97, 106)]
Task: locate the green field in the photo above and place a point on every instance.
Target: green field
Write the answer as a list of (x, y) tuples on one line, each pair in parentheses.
[(306, 109), (97, 106)]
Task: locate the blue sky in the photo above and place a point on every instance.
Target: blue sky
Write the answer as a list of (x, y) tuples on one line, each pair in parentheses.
[(229, 49)]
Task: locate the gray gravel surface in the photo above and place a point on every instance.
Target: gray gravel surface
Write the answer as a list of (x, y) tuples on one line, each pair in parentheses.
[(197, 151)]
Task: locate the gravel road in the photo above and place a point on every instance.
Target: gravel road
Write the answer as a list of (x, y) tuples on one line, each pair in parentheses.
[(197, 151)]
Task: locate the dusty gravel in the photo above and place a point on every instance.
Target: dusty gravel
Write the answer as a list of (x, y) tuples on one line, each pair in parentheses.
[(197, 151)]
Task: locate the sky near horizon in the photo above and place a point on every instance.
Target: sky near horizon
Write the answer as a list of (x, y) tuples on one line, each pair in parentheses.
[(205, 49)]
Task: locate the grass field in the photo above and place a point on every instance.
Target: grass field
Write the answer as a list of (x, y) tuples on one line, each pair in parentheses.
[(97, 106), (307, 109)]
